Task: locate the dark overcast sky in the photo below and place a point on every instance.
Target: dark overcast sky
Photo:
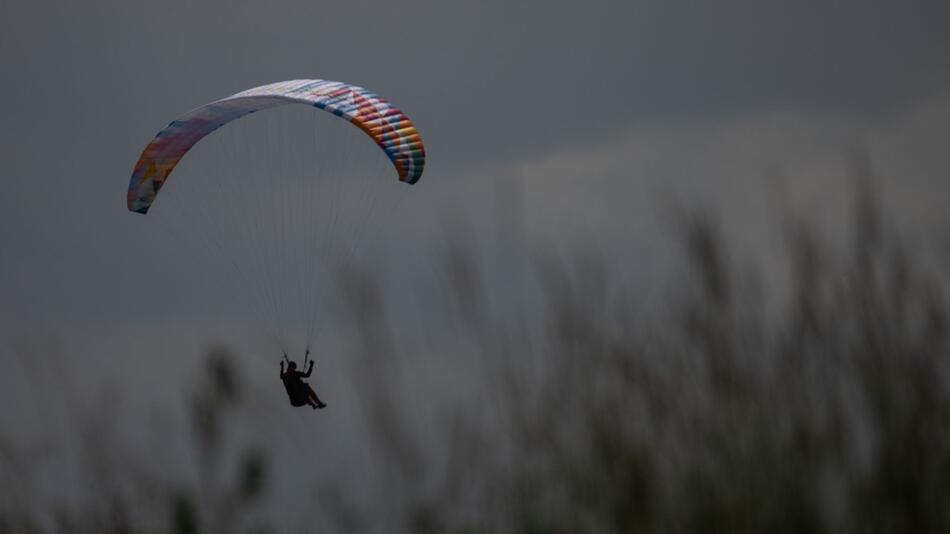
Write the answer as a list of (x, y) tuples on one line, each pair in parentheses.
[(590, 105), (490, 79), (624, 93), (604, 99)]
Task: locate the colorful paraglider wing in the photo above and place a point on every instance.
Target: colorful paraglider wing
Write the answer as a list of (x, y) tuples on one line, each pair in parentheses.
[(390, 128)]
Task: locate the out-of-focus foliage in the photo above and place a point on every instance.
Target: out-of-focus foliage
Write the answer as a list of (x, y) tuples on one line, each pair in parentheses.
[(818, 403), (127, 492)]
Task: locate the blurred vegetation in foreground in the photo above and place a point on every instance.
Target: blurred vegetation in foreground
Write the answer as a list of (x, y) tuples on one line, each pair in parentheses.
[(818, 404)]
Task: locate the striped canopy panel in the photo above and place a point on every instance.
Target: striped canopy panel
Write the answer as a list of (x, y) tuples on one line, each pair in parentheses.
[(390, 128)]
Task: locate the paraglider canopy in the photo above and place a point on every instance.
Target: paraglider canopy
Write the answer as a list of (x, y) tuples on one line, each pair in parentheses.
[(390, 128)]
